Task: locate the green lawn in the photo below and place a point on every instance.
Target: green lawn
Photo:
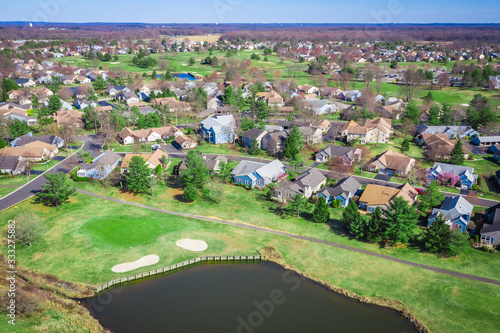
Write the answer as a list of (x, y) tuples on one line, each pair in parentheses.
[(83, 245), (251, 207)]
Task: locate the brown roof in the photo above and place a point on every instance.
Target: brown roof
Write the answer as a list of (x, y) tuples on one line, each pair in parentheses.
[(32, 149), (378, 195), (68, 117), (351, 123), (382, 124), (144, 133), (394, 161)]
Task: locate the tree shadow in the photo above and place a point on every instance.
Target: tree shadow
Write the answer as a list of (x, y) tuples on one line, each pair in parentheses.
[(337, 228)]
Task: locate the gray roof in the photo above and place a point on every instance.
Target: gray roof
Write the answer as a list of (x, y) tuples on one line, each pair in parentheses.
[(453, 209), (247, 168), (9, 162), (337, 151), (220, 124), (253, 133), (211, 163), (460, 130), (489, 138), (102, 161), (344, 187), (454, 169)]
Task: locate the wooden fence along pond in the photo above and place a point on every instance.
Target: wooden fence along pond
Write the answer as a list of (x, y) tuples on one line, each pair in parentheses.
[(175, 268)]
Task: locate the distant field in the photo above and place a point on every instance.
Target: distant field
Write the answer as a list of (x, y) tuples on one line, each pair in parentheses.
[(210, 38)]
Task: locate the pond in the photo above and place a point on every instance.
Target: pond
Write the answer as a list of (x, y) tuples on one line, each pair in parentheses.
[(185, 76), (241, 298)]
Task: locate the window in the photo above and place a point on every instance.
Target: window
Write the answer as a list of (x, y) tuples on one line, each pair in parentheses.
[(247, 182), (371, 209)]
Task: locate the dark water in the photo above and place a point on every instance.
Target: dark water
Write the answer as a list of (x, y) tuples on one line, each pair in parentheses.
[(241, 298), (187, 76)]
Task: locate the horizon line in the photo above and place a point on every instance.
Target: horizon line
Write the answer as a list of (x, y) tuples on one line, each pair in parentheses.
[(267, 23)]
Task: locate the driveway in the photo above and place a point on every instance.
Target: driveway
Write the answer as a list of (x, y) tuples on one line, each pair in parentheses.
[(385, 178)]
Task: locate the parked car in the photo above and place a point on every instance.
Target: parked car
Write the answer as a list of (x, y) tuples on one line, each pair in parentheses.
[(420, 191)]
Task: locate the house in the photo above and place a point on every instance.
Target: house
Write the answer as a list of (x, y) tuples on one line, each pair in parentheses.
[(392, 163), (350, 95), (83, 104), (457, 212), (219, 129), (490, 232), (377, 130), (213, 102), (68, 79), (274, 142), (346, 154), (466, 174), (117, 90), (312, 135), (307, 89), (28, 138), (213, 164), (343, 190), (35, 151), (495, 150), (334, 132), (459, 132), (495, 82), (128, 97), (486, 140), (324, 126), (272, 98), (253, 134), (31, 121), (25, 83), (257, 174), (128, 136), (101, 166), (69, 117), (306, 185), (152, 160), (184, 142), (12, 165), (173, 104), (390, 111), (380, 196), (320, 106), (440, 145)]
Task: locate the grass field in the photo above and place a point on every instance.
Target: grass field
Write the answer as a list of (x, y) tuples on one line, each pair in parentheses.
[(83, 246), (209, 38)]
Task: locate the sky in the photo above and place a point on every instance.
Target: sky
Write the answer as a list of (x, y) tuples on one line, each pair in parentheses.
[(253, 11)]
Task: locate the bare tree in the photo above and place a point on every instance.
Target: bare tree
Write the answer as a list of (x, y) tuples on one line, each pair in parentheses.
[(443, 80), (411, 80)]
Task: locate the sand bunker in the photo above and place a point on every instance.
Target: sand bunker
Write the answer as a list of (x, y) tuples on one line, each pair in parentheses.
[(130, 266), (192, 245)]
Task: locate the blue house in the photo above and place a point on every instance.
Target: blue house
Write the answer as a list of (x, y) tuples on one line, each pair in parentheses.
[(350, 95), (219, 129), (456, 211), (344, 190), (101, 166), (486, 140), (495, 150), (466, 174), (257, 174)]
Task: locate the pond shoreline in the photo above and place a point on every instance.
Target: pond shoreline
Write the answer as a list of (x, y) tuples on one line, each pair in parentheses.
[(270, 254)]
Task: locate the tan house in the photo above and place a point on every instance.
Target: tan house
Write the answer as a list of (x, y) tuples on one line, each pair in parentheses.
[(377, 130), (272, 98), (34, 151), (380, 196), (324, 126), (129, 136), (392, 163), (184, 142), (152, 160), (69, 117), (312, 135), (440, 146), (172, 103), (307, 89)]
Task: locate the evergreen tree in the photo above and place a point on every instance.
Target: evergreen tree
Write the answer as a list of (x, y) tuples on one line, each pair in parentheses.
[(293, 144), (321, 213), (190, 193), (55, 190), (17, 128), (433, 197), (137, 175), (99, 83), (297, 205), (412, 112), (54, 103), (246, 124), (457, 154), (400, 220), (224, 173), (437, 238), (459, 241), (445, 116), (434, 119), (3, 144), (405, 145), (357, 228), (255, 149), (374, 225), (350, 214), (196, 172)]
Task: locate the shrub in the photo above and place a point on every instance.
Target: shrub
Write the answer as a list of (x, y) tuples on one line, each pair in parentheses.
[(335, 204), (339, 203)]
